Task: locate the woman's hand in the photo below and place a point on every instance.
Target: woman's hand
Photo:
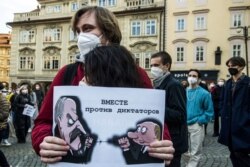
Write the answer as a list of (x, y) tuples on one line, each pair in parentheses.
[(52, 149), (162, 149)]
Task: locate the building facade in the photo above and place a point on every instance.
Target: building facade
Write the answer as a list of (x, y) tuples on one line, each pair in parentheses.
[(5, 57), (203, 34), (42, 40)]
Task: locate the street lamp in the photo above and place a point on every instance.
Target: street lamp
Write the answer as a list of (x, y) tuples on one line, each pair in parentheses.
[(245, 35)]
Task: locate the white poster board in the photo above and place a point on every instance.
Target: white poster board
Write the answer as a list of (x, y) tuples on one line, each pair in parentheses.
[(29, 110), (111, 113)]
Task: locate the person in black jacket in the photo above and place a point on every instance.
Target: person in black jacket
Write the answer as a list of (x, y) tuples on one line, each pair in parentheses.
[(175, 110), (216, 93), (22, 122)]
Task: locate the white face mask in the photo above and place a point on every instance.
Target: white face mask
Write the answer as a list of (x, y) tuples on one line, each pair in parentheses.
[(220, 83), (82, 83), (24, 91), (192, 80), (156, 72), (86, 42)]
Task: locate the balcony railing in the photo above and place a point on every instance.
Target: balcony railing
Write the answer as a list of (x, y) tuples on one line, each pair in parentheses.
[(25, 16), (143, 3)]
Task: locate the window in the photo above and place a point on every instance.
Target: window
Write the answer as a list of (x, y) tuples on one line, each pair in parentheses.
[(51, 62), (136, 28), (237, 19), (52, 35), (26, 63), (107, 2), (74, 6), (237, 50), (137, 58), (181, 3), (180, 24), (27, 36), (200, 23), (143, 59), (199, 53), (54, 9), (150, 27), (143, 27), (180, 54), (72, 36)]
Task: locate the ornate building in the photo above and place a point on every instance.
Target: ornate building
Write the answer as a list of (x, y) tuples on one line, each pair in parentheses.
[(4, 57), (42, 40), (203, 34)]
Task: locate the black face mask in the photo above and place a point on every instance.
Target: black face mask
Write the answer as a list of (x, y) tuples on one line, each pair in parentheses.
[(233, 71)]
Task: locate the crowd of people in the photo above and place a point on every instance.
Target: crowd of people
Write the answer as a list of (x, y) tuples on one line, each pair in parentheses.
[(190, 104)]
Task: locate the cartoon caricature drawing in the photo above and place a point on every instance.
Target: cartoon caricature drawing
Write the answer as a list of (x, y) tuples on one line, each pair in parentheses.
[(135, 144), (72, 128)]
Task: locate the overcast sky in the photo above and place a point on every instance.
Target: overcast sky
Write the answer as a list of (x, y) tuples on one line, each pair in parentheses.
[(9, 7)]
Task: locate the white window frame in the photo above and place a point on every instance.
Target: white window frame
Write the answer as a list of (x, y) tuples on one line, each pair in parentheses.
[(51, 62), (72, 35), (52, 35), (144, 59), (201, 2), (200, 51), (137, 25), (54, 9), (137, 58), (107, 3), (26, 62), (27, 36), (150, 27), (180, 54), (74, 6), (237, 50), (237, 19), (200, 22), (180, 24), (181, 3)]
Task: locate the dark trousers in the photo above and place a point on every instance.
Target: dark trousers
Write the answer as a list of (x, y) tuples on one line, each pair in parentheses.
[(239, 159), (4, 133), (176, 161), (216, 122), (22, 124), (3, 160)]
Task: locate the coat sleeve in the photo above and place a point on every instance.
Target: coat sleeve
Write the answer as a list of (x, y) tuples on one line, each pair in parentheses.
[(208, 109), (43, 123), (145, 79), (176, 104)]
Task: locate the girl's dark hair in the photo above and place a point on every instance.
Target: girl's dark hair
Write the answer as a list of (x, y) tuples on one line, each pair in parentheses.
[(111, 66)]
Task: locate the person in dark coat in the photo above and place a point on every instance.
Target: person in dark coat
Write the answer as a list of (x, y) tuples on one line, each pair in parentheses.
[(175, 110), (235, 113), (216, 93), (22, 122), (39, 95)]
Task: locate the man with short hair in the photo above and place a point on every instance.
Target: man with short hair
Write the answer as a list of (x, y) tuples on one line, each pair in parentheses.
[(199, 112), (235, 113), (175, 110)]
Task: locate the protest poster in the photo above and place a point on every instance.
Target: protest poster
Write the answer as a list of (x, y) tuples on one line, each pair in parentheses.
[(29, 110), (108, 127)]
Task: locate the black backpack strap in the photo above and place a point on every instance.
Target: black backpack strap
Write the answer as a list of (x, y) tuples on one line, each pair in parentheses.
[(70, 73)]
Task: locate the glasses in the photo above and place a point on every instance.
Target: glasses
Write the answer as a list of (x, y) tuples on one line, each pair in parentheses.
[(195, 76)]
